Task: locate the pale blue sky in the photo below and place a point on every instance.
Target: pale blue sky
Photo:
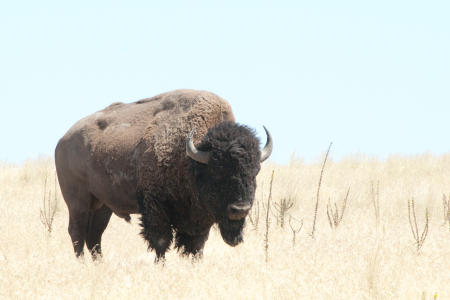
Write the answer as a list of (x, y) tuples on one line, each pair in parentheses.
[(369, 76)]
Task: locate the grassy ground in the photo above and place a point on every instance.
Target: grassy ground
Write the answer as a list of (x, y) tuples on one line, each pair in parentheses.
[(357, 260)]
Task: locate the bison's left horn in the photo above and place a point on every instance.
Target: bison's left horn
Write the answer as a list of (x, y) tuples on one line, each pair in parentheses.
[(192, 152), (265, 153)]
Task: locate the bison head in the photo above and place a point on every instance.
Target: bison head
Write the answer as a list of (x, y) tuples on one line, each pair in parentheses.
[(225, 165)]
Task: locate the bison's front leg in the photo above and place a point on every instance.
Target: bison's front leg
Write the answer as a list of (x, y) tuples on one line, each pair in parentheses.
[(159, 238), (158, 234), (191, 244)]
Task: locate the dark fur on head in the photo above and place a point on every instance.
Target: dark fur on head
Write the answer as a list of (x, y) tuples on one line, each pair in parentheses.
[(229, 176)]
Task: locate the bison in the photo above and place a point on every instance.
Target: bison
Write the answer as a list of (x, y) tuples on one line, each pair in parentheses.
[(178, 159)]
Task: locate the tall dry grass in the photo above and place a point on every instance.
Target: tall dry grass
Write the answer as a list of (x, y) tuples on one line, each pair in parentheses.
[(356, 260)]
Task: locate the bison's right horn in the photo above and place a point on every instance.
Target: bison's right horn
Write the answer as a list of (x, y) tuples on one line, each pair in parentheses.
[(192, 152), (265, 153)]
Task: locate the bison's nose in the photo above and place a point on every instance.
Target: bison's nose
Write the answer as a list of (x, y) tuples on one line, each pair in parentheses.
[(237, 211)]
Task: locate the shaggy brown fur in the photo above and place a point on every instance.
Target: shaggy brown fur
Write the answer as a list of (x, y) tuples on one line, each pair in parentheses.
[(131, 158)]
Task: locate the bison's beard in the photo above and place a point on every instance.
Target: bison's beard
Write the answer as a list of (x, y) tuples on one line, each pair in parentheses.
[(231, 231)]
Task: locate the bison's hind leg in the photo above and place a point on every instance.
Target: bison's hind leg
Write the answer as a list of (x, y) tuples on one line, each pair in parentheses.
[(77, 230), (191, 244), (98, 220), (78, 204)]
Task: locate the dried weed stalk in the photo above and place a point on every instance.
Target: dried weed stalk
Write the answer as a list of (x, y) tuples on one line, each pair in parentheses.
[(318, 190), (266, 235), (48, 212), (333, 216), (294, 231), (282, 208), (254, 215), (446, 210), (376, 202), (414, 228)]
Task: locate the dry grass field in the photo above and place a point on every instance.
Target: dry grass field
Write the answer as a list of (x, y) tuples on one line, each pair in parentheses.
[(359, 259)]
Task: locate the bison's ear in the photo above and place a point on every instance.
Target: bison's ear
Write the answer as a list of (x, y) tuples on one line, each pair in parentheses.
[(265, 153), (192, 152)]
